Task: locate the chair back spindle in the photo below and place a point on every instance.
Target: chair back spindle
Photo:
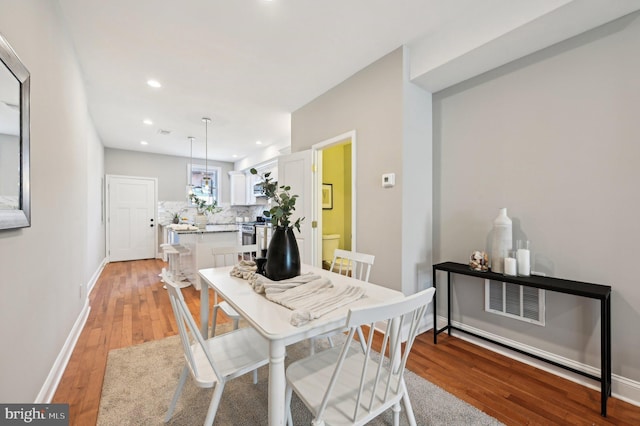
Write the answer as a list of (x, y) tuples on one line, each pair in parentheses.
[(189, 333), (358, 264), (381, 382), (213, 362), (229, 256)]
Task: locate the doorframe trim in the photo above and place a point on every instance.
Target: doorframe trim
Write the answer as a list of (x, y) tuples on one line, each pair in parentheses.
[(316, 157), (108, 216)]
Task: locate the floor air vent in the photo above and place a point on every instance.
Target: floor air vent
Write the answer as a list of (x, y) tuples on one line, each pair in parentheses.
[(514, 301)]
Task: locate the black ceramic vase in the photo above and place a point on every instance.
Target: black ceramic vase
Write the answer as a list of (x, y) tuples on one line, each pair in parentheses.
[(283, 256)]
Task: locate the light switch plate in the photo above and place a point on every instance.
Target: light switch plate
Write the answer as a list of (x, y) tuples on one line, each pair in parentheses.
[(388, 180)]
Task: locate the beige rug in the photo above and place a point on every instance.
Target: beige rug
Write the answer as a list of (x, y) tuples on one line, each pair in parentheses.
[(140, 380)]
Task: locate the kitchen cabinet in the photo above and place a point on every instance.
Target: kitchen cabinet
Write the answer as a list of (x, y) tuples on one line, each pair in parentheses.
[(238, 188), (273, 169), (268, 167), (252, 180), (241, 189), (192, 251)]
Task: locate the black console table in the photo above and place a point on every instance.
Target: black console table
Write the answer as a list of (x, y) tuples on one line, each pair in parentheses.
[(577, 288)]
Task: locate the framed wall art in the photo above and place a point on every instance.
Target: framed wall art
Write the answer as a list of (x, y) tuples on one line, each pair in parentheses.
[(327, 196)]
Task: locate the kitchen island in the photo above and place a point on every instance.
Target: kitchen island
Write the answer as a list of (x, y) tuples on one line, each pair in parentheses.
[(188, 249)]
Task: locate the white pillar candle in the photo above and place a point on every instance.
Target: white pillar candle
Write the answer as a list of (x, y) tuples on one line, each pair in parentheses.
[(264, 237), (510, 266), (524, 264)]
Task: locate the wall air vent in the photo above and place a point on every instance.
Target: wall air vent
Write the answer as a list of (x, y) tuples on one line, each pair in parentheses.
[(514, 301)]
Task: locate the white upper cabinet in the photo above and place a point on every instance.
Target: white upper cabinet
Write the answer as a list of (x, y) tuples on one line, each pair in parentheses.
[(242, 184), (270, 166), (238, 188)]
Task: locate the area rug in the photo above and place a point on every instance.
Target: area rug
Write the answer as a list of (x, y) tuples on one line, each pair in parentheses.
[(140, 380)]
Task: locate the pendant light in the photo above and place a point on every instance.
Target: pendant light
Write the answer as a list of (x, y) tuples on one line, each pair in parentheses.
[(206, 180), (190, 184)]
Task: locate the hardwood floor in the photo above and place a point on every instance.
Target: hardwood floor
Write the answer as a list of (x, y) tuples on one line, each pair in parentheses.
[(129, 306)]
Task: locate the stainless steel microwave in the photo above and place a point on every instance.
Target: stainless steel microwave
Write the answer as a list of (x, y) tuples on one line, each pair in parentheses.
[(257, 189)]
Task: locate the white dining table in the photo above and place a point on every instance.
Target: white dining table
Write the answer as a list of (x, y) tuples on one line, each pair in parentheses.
[(272, 321)]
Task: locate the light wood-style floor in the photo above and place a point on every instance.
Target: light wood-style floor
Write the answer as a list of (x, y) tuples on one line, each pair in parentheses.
[(129, 306)]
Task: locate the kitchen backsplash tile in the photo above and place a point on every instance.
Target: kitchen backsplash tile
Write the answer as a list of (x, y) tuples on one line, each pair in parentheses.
[(166, 210)]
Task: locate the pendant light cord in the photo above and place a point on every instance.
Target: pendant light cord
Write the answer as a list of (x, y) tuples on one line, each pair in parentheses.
[(191, 162), (206, 154)]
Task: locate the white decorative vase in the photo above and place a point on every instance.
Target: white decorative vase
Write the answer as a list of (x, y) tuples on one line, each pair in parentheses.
[(502, 241), (201, 221)]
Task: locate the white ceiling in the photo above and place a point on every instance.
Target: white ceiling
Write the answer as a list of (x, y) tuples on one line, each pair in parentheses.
[(247, 64)]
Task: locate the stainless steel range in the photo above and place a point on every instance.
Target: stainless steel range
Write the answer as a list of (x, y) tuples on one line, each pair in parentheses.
[(248, 231)]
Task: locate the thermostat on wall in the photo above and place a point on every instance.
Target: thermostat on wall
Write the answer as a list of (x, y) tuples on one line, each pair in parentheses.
[(388, 180)]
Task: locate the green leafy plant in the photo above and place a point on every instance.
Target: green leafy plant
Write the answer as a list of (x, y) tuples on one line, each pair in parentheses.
[(283, 203), (203, 207)]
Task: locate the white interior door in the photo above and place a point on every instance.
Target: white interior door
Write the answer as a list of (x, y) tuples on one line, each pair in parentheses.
[(131, 221), (295, 170)]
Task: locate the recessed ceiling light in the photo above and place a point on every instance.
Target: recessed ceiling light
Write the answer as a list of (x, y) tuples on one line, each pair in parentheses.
[(144, 143), (234, 156), (154, 83), (258, 142), (147, 122)]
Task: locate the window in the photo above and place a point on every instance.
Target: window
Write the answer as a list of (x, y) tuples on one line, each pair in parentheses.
[(205, 181), (514, 301)]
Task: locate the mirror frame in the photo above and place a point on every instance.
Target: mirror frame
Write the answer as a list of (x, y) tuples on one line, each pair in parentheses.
[(20, 218)]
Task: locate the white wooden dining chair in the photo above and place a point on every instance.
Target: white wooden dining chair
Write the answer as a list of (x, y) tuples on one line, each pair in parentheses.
[(227, 256), (358, 265), (213, 362), (343, 385), (345, 262)]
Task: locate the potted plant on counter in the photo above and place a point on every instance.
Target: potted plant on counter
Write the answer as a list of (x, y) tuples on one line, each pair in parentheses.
[(175, 217), (203, 209), (283, 255)]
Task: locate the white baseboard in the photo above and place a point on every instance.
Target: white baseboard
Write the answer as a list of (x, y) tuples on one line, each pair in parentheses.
[(425, 324), (96, 275), (621, 387), (55, 374), (57, 370)]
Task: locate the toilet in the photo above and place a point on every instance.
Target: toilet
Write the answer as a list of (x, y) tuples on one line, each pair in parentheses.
[(330, 243)]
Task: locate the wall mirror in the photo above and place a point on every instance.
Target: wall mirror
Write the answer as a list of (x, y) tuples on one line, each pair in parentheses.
[(15, 200)]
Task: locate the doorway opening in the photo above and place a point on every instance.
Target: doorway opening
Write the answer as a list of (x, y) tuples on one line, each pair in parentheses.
[(336, 207)]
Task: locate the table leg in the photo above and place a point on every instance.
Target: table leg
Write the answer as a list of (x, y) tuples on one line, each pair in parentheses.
[(605, 354), (277, 383), (435, 309), (449, 303), (204, 309), (608, 343)]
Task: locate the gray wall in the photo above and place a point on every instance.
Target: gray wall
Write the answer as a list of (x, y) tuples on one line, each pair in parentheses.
[(369, 102), (46, 268), (171, 171), (553, 137), (392, 136)]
